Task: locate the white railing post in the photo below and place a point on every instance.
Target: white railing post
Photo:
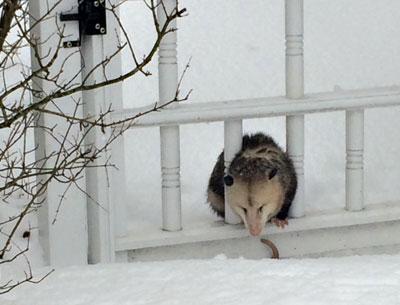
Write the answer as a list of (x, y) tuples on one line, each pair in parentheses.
[(233, 134), (169, 136), (71, 225), (354, 160), (117, 188), (295, 90), (106, 203)]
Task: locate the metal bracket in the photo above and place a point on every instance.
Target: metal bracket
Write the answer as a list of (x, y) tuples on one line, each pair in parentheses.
[(92, 20)]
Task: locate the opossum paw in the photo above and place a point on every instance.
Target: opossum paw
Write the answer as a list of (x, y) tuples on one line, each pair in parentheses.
[(280, 223)]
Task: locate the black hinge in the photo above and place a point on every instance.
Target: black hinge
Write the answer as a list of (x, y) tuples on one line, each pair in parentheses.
[(92, 20)]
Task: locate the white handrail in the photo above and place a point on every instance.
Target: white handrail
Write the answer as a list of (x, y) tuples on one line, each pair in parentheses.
[(265, 107)]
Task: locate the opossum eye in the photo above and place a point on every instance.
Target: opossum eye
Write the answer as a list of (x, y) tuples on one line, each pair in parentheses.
[(228, 179), (272, 173), (245, 210), (260, 209)]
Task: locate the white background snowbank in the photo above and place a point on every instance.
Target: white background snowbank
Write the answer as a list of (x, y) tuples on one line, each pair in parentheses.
[(326, 281)]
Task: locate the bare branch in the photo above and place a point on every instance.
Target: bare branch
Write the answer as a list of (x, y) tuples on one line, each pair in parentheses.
[(41, 99)]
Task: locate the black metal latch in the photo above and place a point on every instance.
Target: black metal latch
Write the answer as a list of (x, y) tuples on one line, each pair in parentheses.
[(92, 20)]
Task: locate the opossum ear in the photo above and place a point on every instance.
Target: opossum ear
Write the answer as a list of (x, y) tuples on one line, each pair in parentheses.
[(228, 179), (272, 173)]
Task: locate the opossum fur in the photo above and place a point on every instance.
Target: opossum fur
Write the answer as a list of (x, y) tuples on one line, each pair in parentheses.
[(261, 183)]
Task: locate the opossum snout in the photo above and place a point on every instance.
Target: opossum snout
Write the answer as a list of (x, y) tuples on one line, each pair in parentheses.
[(255, 231), (254, 221)]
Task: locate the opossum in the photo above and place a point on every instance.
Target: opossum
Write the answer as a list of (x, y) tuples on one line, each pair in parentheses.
[(261, 183)]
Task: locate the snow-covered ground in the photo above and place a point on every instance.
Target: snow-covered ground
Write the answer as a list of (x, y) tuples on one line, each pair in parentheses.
[(363, 280)]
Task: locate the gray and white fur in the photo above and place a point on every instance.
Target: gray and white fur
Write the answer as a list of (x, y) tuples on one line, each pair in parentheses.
[(261, 183)]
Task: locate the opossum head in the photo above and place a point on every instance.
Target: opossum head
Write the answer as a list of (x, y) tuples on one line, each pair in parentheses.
[(255, 200)]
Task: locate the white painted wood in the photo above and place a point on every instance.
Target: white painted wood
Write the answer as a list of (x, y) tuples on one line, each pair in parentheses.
[(370, 238), (294, 48), (266, 107), (121, 257), (169, 136), (98, 205), (354, 160), (117, 188), (70, 227), (171, 192), (295, 149), (107, 201), (295, 90), (330, 219), (233, 133)]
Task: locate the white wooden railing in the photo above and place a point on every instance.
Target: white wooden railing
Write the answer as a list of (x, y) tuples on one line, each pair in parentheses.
[(294, 106), (109, 239)]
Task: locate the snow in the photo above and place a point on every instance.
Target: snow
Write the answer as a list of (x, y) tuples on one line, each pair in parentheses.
[(357, 280), (239, 53), (34, 255)]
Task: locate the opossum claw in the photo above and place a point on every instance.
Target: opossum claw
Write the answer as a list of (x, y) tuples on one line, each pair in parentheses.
[(281, 223), (275, 252)]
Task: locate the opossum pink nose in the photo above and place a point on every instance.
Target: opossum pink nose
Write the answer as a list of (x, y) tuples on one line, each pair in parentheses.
[(255, 231)]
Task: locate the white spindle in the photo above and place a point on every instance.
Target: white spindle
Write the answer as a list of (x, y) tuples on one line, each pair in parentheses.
[(295, 89), (171, 191), (233, 133), (170, 151), (354, 160)]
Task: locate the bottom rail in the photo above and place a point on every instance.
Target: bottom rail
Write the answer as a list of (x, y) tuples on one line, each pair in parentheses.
[(218, 231)]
